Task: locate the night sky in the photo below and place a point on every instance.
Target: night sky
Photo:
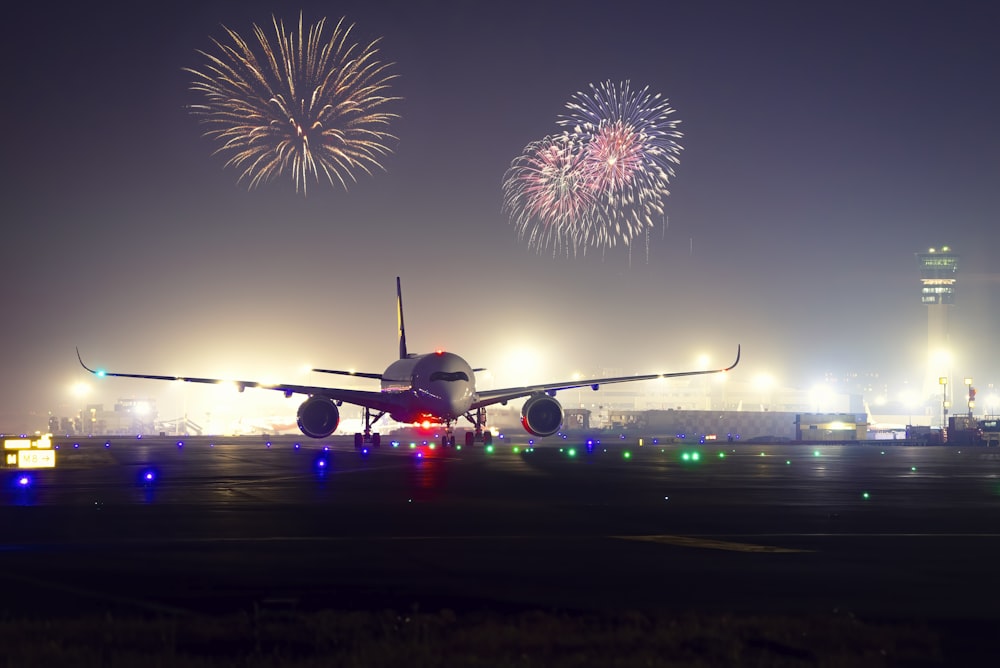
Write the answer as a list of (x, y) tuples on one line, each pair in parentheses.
[(824, 144)]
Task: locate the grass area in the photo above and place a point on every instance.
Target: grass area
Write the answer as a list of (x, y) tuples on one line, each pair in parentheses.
[(415, 640)]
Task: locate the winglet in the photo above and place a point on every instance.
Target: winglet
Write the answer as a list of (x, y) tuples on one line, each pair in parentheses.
[(733, 365), (96, 373), (399, 320)]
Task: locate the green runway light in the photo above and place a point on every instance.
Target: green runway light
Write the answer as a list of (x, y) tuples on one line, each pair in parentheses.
[(571, 452), (516, 449), (865, 496), (722, 455), (913, 468), (489, 449), (815, 453), (762, 454), (627, 454), (788, 461)]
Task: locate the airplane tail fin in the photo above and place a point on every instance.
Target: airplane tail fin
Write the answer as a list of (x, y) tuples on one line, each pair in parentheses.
[(399, 320)]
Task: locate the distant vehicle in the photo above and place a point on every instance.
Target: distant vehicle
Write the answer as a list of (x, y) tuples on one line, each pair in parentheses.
[(990, 427), (437, 388)]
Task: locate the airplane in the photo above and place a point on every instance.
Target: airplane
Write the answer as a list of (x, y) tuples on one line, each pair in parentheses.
[(437, 387)]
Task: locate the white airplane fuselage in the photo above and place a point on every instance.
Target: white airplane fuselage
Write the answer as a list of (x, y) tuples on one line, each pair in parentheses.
[(436, 386)]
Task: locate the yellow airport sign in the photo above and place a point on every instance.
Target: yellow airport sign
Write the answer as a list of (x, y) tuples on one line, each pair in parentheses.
[(24, 453), (36, 459)]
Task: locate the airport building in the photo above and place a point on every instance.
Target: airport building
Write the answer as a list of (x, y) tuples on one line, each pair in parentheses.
[(938, 280)]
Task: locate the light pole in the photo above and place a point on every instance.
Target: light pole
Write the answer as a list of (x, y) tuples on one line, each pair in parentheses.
[(972, 396), (943, 381)]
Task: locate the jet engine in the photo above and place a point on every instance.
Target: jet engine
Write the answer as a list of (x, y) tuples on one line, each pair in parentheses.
[(541, 415), (318, 417)]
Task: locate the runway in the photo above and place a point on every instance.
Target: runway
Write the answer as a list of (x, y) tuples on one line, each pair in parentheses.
[(901, 534)]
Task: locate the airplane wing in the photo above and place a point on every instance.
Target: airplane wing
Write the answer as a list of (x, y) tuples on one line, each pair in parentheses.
[(380, 401), (490, 397)]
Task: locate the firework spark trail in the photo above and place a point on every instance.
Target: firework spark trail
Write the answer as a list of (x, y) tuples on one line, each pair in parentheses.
[(305, 106), (605, 182)]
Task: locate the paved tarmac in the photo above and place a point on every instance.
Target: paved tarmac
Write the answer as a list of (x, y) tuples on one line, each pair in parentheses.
[(907, 534)]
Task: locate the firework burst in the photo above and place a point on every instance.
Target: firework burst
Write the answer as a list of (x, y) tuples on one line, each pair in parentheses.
[(548, 193), (617, 156), (304, 105)]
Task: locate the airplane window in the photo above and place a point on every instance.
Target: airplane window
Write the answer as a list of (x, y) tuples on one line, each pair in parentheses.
[(449, 376)]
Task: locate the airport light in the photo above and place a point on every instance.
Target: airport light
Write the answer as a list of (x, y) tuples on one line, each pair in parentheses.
[(909, 399), (764, 383), (992, 402), (822, 397)]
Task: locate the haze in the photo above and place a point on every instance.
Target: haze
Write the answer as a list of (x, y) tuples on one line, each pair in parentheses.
[(824, 144)]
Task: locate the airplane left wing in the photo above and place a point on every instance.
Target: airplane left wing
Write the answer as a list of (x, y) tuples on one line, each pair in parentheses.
[(379, 401), (490, 397)]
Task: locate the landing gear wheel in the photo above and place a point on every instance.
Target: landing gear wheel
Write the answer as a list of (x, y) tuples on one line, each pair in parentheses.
[(359, 441), (376, 440), (470, 439), (488, 438)]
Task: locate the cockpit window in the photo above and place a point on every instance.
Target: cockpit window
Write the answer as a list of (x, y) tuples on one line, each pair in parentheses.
[(450, 376)]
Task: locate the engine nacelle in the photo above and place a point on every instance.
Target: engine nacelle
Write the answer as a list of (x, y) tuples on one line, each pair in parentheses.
[(541, 415), (318, 417)]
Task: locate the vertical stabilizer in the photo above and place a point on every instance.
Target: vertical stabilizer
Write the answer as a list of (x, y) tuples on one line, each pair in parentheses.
[(399, 320)]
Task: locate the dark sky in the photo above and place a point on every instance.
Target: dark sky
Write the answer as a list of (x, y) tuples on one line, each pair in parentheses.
[(824, 144)]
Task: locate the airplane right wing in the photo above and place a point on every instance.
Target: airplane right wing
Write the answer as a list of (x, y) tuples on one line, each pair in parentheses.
[(490, 397)]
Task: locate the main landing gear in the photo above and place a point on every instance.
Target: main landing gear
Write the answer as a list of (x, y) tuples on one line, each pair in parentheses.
[(471, 437), (368, 436), (481, 433)]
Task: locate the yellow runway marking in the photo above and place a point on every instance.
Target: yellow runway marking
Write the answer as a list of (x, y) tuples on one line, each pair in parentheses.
[(710, 544)]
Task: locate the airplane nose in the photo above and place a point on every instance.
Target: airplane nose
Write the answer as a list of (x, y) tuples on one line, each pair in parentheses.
[(459, 397)]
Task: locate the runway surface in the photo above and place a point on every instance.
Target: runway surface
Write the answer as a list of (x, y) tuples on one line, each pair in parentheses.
[(908, 534)]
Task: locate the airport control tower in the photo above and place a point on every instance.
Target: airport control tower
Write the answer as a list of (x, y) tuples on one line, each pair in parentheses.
[(938, 277)]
